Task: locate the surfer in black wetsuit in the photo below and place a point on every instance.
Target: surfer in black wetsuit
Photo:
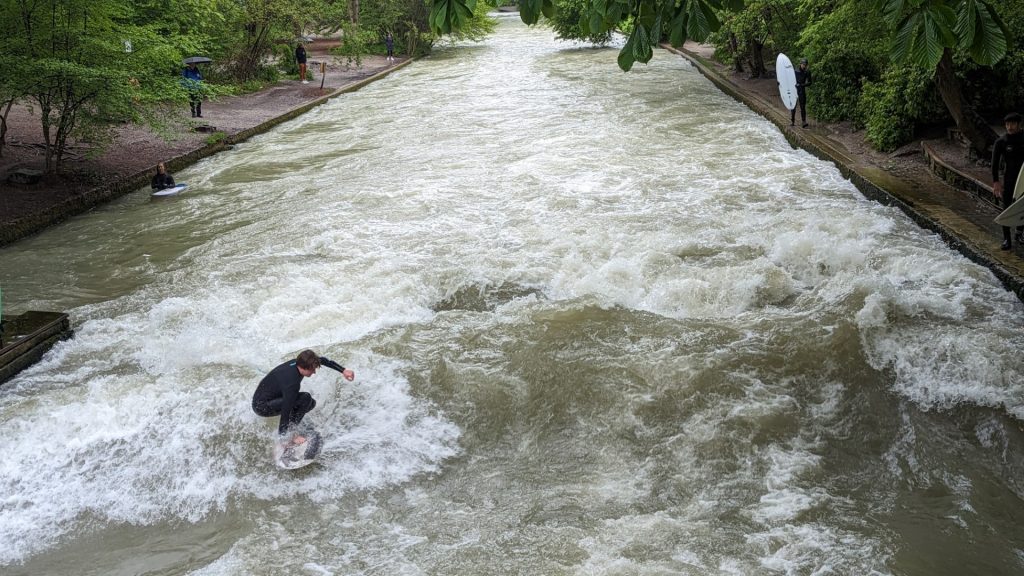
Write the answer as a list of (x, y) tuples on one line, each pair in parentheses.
[(278, 392), (1009, 148), (803, 80), (162, 180)]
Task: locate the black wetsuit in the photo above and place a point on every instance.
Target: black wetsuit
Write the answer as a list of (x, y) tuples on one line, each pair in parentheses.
[(1008, 149), (162, 181), (278, 394), (803, 80)]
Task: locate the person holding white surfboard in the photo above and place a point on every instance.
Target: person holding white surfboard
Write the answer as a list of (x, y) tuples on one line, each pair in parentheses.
[(278, 393), (803, 80), (1008, 153), (162, 180)]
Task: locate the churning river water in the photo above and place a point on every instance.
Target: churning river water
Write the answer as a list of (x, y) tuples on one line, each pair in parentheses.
[(601, 323)]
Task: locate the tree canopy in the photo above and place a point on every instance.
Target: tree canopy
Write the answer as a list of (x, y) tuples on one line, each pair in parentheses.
[(87, 65)]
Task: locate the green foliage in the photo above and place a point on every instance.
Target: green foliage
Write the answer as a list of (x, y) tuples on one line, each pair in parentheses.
[(761, 26), (355, 42), (447, 16), (892, 107), (83, 75), (571, 21), (215, 137), (651, 20), (1001, 84), (923, 30), (284, 55), (846, 48)]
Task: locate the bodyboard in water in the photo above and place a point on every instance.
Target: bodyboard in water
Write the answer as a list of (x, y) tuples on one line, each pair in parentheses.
[(170, 191)]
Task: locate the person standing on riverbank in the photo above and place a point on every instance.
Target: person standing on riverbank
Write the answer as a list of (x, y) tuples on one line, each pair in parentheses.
[(389, 43), (1008, 150), (300, 59), (803, 80), (193, 80), (278, 393)]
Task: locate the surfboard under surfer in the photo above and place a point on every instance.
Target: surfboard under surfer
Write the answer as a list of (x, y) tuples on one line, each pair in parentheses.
[(278, 393)]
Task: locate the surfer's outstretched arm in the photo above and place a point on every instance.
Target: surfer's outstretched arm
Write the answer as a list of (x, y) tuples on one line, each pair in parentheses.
[(345, 372)]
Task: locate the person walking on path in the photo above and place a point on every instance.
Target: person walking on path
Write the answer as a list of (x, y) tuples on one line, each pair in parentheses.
[(803, 80), (300, 58), (1008, 149), (389, 43), (162, 180), (193, 80), (278, 393)]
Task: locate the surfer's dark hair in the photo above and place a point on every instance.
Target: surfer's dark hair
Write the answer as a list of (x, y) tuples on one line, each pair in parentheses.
[(308, 360), (1012, 117)]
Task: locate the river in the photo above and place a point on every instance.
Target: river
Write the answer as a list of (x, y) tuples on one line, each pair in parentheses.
[(601, 323)]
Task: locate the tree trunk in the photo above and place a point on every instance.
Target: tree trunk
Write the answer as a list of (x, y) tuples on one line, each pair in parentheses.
[(970, 123), (44, 115), (757, 69), (734, 49), (3, 124), (353, 11)]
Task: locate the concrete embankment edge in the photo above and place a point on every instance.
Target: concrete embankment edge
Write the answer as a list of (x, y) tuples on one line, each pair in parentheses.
[(57, 213), (874, 184)]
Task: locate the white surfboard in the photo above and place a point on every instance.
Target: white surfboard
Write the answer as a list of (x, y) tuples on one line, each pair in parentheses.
[(786, 76), (170, 191), (290, 456), (1014, 215)]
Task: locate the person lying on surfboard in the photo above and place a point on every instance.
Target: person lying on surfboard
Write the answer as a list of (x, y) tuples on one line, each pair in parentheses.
[(278, 393), (162, 180)]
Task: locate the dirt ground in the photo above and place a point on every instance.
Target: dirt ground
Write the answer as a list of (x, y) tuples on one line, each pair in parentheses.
[(135, 149)]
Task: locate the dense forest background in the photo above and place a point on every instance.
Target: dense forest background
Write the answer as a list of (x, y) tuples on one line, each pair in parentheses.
[(892, 67)]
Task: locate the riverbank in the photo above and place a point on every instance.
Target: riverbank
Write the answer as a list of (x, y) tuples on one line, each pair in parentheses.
[(916, 178), (94, 175)]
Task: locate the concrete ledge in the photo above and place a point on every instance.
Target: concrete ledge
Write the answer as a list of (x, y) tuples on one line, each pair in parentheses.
[(958, 179), (27, 337)]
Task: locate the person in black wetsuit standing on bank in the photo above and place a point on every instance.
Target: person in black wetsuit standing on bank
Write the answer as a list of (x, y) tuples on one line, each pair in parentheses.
[(1009, 149), (278, 393), (803, 80)]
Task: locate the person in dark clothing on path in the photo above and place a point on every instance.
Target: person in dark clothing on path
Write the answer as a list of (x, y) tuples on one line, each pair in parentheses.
[(193, 80), (1008, 149), (389, 43), (162, 180), (278, 393), (300, 58), (803, 80)]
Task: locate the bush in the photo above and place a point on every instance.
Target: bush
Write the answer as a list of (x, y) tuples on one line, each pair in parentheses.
[(215, 137), (891, 108), (284, 55), (571, 22), (846, 47)]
